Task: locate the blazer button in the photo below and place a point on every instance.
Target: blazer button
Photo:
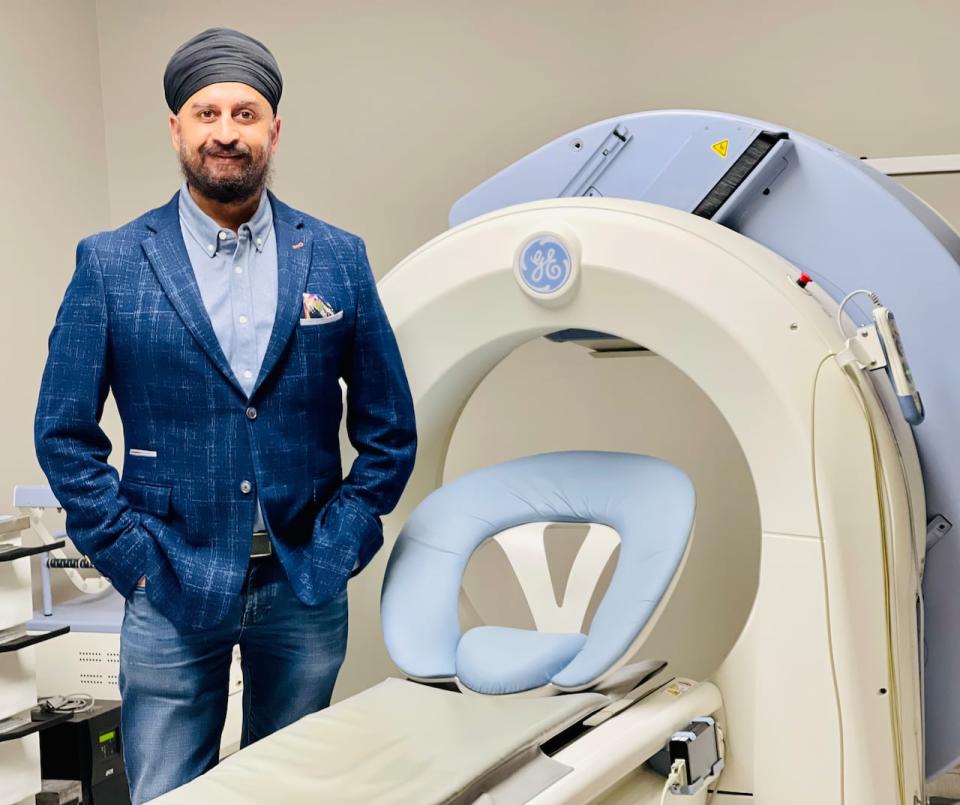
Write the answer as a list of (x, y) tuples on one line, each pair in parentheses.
[(251, 413), (246, 487)]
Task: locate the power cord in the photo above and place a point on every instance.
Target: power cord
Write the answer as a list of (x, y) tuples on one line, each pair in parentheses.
[(71, 703), (678, 773), (873, 298)]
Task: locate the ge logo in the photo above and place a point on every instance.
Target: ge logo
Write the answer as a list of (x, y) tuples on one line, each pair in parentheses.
[(545, 264)]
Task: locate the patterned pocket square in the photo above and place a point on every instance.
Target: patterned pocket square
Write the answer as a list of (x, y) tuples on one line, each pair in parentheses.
[(316, 307)]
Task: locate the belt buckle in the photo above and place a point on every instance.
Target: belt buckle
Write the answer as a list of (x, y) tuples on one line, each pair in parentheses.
[(260, 545)]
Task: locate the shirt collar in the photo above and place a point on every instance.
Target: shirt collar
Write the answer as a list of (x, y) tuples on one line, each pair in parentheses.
[(207, 232)]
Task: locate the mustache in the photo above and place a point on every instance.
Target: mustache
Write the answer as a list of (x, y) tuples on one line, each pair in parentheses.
[(219, 151)]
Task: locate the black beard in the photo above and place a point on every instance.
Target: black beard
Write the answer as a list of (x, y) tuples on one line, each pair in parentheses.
[(250, 181)]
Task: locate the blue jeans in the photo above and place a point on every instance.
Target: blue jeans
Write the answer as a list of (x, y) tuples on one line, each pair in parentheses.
[(173, 683)]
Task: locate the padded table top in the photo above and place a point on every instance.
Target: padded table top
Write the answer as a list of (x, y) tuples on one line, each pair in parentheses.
[(397, 742)]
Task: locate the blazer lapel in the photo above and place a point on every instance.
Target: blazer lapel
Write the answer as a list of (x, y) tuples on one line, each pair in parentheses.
[(294, 250), (171, 263)]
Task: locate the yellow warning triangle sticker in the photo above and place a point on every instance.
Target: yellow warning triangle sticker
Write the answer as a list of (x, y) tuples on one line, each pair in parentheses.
[(721, 147)]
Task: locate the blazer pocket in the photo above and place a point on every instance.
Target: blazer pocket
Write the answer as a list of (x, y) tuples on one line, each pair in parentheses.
[(326, 486), (325, 320), (149, 498)]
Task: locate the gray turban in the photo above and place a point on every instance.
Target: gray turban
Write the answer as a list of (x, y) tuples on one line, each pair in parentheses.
[(220, 55)]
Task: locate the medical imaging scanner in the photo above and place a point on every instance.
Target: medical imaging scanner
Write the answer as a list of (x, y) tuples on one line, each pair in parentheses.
[(732, 249)]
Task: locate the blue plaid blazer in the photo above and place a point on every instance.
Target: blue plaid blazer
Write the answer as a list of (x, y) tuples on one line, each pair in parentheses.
[(133, 321)]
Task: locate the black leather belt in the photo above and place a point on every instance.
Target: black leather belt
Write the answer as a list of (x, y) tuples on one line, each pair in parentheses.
[(260, 545)]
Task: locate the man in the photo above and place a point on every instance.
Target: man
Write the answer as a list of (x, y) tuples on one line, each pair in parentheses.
[(223, 323)]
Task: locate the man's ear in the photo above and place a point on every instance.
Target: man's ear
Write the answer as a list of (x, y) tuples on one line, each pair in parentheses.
[(275, 134), (175, 132)]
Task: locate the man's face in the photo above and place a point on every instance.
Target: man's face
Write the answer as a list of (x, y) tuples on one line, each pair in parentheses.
[(225, 135)]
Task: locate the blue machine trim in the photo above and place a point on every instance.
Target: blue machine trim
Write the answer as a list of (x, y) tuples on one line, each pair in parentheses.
[(576, 334), (911, 410)]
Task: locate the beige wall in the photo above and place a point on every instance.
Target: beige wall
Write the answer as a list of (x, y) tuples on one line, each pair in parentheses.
[(940, 191), (394, 109), (54, 193)]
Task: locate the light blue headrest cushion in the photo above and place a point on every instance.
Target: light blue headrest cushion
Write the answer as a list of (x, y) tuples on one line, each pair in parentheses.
[(648, 502), (497, 660)]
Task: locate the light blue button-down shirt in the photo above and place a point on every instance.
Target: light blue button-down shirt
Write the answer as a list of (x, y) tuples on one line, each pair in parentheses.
[(237, 276)]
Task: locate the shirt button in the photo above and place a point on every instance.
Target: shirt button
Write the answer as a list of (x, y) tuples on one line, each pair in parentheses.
[(246, 487), (238, 270), (222, 235), (259, 241), (251, 413), (243, 319), (247, 374)]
